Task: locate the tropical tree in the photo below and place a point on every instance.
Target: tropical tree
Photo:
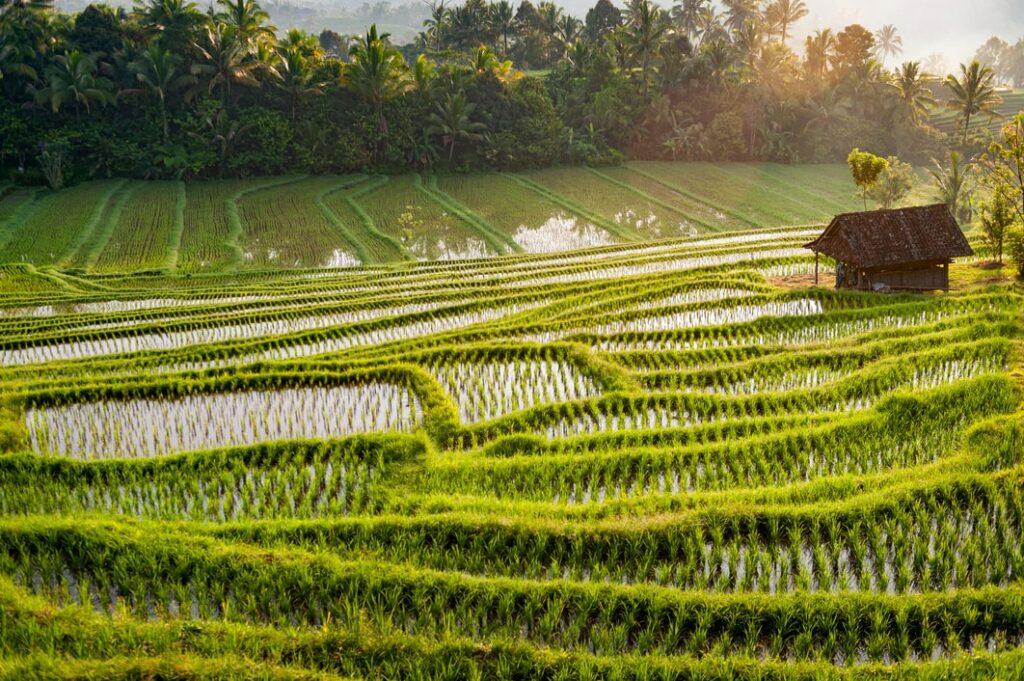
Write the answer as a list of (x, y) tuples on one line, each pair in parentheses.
[(646, 24), (451, 121), (297, 76), (819, 53), (221, 132), (12, 62), (436, 23), (172, 22), (502, 19), (159, 73), (912, 84), (951, 183), (739, 12), (224, 60), (888, 42), (247, 19), (307, 45), (73, 78), (688, 16), (785, 13), (377, 74), (972, 93), (483, 60)]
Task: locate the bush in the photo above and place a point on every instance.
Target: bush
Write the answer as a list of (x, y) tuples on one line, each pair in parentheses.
[(1015, 249)]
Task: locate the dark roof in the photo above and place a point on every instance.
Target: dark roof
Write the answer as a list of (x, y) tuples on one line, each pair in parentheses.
[(879, 238)]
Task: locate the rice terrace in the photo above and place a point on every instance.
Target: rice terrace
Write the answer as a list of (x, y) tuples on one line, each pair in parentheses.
[(519, 347)]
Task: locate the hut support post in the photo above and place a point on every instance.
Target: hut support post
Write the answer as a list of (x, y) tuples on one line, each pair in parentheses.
[(815, 268), (945, 276)]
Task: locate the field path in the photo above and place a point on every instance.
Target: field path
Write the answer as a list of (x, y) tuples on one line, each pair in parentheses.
[(344, 231), (174, 237), (104, 228), (86, 233), (377, 246)]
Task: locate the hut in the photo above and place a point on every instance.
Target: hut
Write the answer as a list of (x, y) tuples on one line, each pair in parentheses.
[(905, 248)]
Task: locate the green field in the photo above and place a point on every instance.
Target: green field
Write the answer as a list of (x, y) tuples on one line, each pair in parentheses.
[(307, 222), (637, 461)]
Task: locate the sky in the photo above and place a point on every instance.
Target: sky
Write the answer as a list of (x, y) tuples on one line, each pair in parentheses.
[(953, 28)]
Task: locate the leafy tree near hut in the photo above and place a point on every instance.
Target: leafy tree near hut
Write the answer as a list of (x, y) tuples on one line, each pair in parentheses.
[(997, 217), (866, 169), (894, 183)]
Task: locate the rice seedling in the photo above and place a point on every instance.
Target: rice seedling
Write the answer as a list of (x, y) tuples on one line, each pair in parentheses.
[(634, 461)]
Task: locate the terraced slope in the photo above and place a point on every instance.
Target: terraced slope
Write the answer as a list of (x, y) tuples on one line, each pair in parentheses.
[(640, 461), (947, 120), (307, 222)]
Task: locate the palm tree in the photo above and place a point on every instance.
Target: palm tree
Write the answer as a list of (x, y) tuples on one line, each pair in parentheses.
[(569, 29), (159, 73), (296, 76), (739, 12), (377, 73), (222, 132), (973, 92), (307, 45), (717, 56), (951, 183), (172, 22), (247, 18), (785, 13), (73, 78), (747, 42), (688, 16), (226, 60), (453, 123), (818, 52), (646, 24), (687, 142), (436, 24), (912, 85), (502, 19), (12, 62), (888, 43)]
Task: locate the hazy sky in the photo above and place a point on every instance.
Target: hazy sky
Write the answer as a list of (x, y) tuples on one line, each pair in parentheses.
[(951, 27)]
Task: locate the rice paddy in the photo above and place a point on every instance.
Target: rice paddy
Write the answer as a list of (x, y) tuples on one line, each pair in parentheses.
[(301, 222), (639, 460)]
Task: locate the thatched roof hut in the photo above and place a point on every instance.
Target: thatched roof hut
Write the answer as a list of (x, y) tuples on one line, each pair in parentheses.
[(905, 248)]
